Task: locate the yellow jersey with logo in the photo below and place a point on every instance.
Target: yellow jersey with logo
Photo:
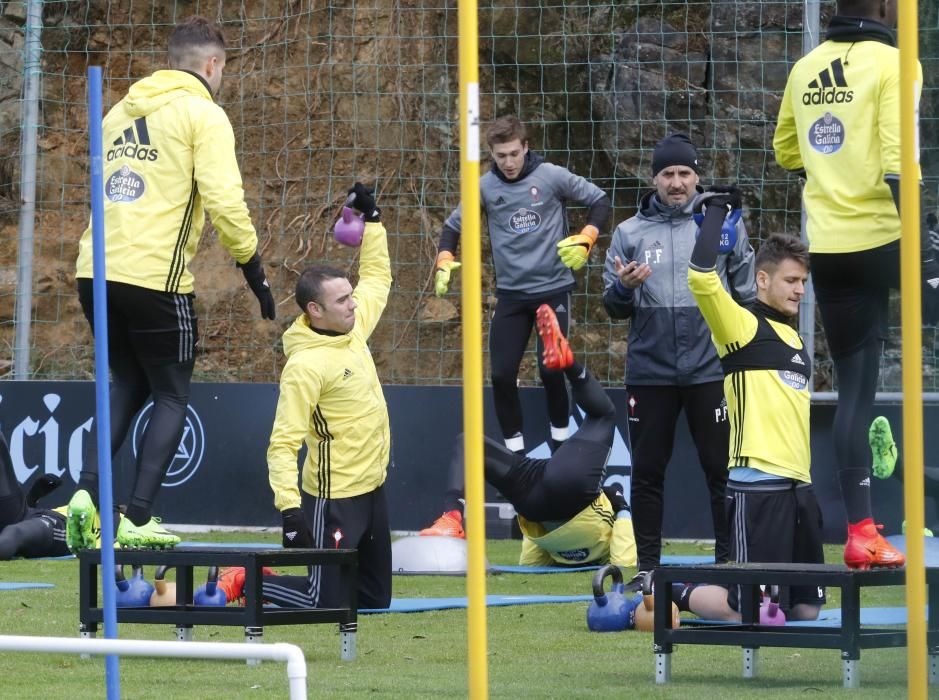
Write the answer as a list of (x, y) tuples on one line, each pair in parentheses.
[(169, 154), (594, 535), (331, 397), (766, 382), (840, 121)]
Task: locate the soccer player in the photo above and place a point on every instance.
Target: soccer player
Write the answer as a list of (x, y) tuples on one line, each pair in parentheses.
[(525, 199), (772, 511), (565, 515), (170, 156), (839, 123), (671, 365), (331, 398), (25, 530)]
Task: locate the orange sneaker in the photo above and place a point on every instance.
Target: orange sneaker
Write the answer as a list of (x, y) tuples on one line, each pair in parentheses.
[(231, 580), (450, 524), (557, 353), (866, 548)]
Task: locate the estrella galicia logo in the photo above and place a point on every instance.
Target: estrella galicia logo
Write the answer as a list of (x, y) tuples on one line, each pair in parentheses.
[(827, 134), (575, 554), (525, 221), (189, 452), (124, 185), (796, 380), (133, 145)]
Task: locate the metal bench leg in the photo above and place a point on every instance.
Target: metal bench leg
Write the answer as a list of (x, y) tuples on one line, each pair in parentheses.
[(254, 635), (663, 668), (347, 632), (851, 673), (86, 632), (933, 666), (750, 662), (184, 633)]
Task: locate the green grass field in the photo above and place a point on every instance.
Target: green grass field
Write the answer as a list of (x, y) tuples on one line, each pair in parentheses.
[(537, 651)]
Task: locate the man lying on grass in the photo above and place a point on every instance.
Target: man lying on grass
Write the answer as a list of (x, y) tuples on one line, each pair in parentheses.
[(565, 514)]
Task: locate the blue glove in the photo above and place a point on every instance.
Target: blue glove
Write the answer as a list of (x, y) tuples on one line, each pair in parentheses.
[(721, 196)]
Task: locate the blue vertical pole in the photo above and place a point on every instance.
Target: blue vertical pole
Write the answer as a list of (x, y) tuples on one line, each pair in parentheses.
[(102, 389)]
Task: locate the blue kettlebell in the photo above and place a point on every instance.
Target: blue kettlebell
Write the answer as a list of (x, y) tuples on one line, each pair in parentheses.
[(613, 611), (134, 593), (209, 592), (728, 230)]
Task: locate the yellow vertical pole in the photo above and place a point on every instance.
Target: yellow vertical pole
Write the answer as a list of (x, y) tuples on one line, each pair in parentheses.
[(913, 502), (472, 351)]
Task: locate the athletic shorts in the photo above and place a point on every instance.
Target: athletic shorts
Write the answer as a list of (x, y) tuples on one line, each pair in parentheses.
[(776, 521), (357, 522), (852, 291), (156, 327)]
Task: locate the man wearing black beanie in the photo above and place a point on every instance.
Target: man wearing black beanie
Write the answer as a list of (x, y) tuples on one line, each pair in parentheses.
[(671, 364)]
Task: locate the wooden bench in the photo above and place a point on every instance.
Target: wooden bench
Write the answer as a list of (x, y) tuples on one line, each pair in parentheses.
[(849, 638), (253, 616)]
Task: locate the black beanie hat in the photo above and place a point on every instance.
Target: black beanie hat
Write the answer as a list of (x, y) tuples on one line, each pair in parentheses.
[(675, 149)]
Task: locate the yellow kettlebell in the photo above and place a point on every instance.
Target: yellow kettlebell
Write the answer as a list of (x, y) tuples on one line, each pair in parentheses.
[(645, 613), (164, 593)]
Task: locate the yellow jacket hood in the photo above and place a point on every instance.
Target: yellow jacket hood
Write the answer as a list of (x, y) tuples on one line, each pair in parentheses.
[(300, 336), (148, 95)]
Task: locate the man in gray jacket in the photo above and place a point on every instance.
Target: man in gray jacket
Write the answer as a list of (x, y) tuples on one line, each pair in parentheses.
[(671, 363), (525, 200)]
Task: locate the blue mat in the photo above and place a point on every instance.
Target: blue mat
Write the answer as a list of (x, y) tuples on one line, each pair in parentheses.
[(831, 618), (232, 545), (667, 560), (930, 548), (411, 605), (12, 586)]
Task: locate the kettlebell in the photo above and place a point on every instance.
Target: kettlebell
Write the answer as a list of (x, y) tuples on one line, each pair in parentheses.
[(134, 593), (645, 613), (728, 230), (209, 593), (165, 593), (770, 614), (613, 611), (349, 228)]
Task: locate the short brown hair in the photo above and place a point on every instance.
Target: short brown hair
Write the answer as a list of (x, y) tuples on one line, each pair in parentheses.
[(779, 247), (190, 38), (310, 285), (505, 129)]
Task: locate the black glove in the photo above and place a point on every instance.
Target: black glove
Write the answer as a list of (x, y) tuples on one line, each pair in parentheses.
[(363, 199), (296, 530), (254, 275), (720, 195)]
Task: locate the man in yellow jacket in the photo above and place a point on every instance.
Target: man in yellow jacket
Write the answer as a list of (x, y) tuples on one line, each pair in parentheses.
[(839, 124), (566, 515), (169, 157), (331, 398)]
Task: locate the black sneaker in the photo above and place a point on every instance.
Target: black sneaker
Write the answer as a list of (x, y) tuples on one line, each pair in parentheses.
[(635, 583)]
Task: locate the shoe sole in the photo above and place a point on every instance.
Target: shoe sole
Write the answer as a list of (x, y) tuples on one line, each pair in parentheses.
[(79, 531), (557, 352), (879, 437)]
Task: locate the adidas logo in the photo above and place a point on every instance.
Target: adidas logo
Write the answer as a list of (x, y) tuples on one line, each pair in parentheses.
[(346, 373), (824, 90), (499, 201), (865, 482), (560, 309), (797, 360), (290, 535), (133, 143), (934, 282)]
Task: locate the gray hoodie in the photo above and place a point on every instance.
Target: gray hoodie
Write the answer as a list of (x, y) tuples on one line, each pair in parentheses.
[(669, 342)]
